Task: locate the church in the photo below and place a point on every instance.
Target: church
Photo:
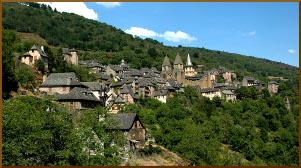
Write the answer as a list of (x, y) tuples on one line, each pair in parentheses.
[(186, 75)]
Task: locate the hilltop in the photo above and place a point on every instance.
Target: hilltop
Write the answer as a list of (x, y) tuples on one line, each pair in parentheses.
[(108, 44)]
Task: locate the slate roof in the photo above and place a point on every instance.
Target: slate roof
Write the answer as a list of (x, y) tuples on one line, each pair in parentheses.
[(248, 78), (154, 69), (160, 93), (178, 60), (273, 82), (104, 76), (135, 72), (94, 85), (145, 70), (166, 61), (207, 90), (91, 63), (77, 94), (66, 51), (217, 85), (26, 54), (230, 88), (128, 90), (119, 100), (120, 83), (73, 50), (198, 77), (160, 80), (115, 67), (128, 80), (61, 79), (172, 82), (144, 82), (227, 92), (39, 49), (124, 121)]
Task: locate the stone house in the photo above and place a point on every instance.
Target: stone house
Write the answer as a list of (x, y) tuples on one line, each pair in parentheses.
[(161, 95), (132, 127), (228, 95), (127, 94), (116, 106), (113, 70), (210, 92), (61, 83), (248, 81), (36, 52), (93, 65), (78, 99), (98, 89), (70, 55), (227, 76)]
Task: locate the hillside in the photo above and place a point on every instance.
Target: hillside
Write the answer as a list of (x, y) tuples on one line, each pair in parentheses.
[(257, 128), (109, 44)]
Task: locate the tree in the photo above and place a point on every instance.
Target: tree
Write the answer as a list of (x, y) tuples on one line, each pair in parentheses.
[(38, 132), (217, 101), (24, 75), (40, 66), (9, 82), (152, 52)]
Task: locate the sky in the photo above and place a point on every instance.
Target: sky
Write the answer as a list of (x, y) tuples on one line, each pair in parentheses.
[(261, 29)]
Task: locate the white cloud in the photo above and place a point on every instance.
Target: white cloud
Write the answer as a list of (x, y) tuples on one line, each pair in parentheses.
[(109, 4), (178, 36), (252, 33), (292, 51), (137, 31), (79, 8)]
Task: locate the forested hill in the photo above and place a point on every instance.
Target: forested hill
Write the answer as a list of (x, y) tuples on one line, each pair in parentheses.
[(109, 44)]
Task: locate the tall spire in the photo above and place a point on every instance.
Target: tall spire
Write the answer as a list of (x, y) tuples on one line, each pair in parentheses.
[(178, 60), (166, 61), (188, 62)]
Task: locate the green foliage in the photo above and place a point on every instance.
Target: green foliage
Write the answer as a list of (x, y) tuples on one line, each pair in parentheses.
[(9, 82), (38, 132), (199, 129), (105, 144), (24, 75), (40, 66), (149, 150), (246, 92)]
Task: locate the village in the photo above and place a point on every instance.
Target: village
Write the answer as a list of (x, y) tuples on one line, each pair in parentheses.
[(120, 85)]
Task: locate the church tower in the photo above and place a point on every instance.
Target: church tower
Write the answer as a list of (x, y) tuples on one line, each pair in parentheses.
[(74, 57), (178, 71), (166, 68), (189, 70)]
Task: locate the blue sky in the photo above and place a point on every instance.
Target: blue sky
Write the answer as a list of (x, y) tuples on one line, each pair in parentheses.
[(265, 30)]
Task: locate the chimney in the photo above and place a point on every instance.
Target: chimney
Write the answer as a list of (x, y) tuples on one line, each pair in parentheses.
[(44, 78), (42, 47), (68, 80)]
